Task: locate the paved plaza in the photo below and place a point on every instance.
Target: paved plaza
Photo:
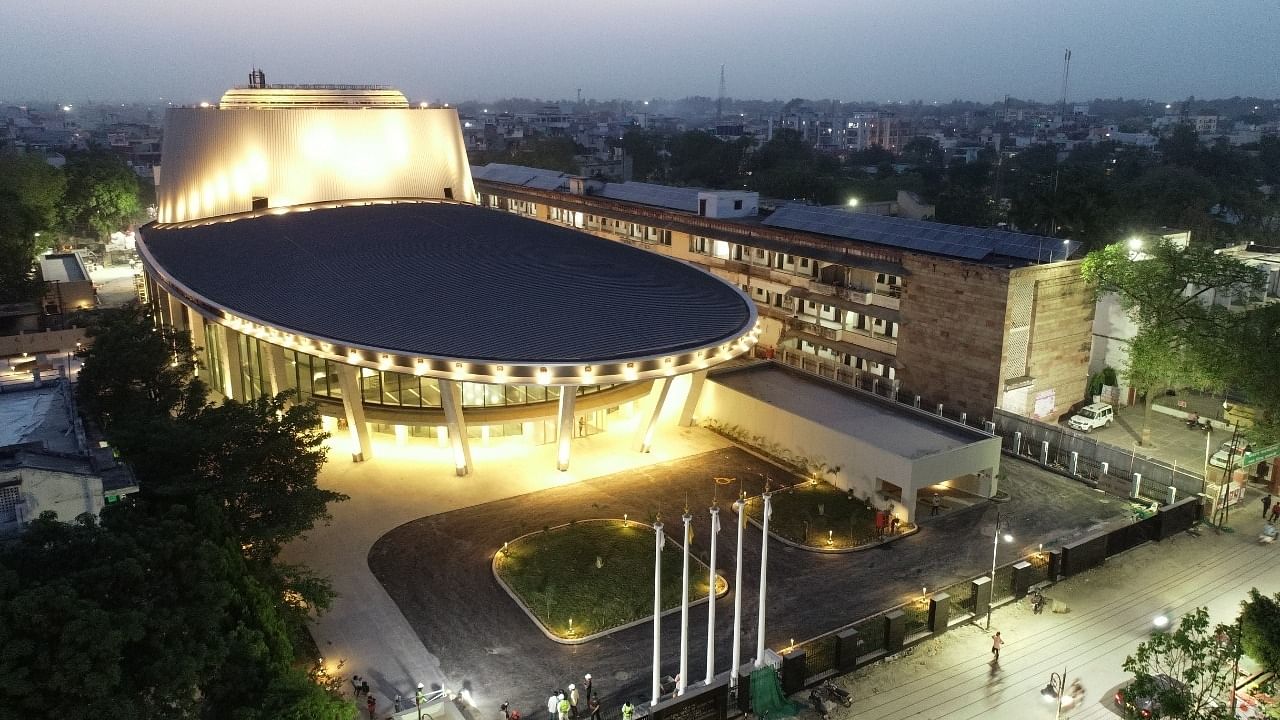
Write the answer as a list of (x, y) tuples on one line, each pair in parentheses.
[(437, 570), (1171, 440)]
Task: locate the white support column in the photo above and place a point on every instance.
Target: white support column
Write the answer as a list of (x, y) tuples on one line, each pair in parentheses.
[(177, 314), (195, 324), (402, 435), (232, 381), (764, 571), (451, 400), (277, 368), (564, 423), (653, 409), (659, 541), (697, 380), (353, 404), (711, 599)]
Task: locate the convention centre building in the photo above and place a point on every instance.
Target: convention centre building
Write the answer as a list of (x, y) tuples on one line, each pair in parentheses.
[(328, 240)]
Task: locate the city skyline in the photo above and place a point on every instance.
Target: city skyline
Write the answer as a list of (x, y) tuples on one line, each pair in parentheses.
[(923, 50)]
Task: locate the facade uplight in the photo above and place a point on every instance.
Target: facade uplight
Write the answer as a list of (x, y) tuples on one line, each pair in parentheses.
[(544, 376)]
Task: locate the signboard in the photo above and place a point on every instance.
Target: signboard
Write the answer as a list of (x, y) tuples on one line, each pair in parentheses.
[(1045, 402), (1257, 456)]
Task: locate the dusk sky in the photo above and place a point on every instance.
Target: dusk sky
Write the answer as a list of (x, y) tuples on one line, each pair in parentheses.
[(77, 50)]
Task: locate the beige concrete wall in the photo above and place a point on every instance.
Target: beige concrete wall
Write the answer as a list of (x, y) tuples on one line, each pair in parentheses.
[(52, 341), (67, 494), (952, 332)]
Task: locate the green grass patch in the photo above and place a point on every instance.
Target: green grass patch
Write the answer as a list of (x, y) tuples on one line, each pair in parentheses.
[(819, 515), (600, 574)]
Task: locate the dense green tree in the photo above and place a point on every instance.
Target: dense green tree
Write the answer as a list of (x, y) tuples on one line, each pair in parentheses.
[(259, 459), (1246, 361), (135, 373), (102, 193), (1260, 629), (18, 250), (645, 150), (699, 158), (923, 150), (37, 185), (1164, 289), (1195, 654)]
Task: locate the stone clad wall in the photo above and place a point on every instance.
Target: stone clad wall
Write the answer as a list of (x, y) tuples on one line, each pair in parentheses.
[(952, 334), (1060, 336)]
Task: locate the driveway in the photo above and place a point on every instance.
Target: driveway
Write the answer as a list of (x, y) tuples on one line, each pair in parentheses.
[(437, 570)]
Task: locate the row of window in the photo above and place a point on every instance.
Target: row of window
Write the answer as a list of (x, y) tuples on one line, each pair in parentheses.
[(631, 230), (848, 360), (311, 375)]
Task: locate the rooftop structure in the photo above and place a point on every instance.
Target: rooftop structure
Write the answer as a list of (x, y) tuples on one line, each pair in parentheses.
[(340, 253)]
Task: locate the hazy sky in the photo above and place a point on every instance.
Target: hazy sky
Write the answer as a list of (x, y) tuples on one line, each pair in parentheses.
[(76, 50)]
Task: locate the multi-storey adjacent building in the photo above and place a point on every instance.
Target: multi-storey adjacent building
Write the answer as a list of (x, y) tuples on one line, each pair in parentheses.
[(970, 318)]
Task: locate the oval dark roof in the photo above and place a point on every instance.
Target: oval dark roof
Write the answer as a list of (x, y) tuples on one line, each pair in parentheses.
[(453, 281)]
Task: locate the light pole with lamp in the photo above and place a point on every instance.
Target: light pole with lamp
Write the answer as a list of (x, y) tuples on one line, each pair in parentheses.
[(995, 549), (1054, 691)]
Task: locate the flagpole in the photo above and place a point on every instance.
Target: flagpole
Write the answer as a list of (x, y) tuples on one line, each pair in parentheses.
[(683, 678), (659, 539), (764, 569), (711, 598), (740, 507)]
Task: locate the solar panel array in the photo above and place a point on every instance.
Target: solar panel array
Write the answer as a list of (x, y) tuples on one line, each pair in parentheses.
[(520, 175), (675, 198), (921, 235)]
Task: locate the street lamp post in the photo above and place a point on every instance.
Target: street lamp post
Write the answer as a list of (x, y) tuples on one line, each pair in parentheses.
[(1054, 691), (995, 549)]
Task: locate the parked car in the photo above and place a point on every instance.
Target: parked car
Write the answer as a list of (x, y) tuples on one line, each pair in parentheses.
[(1146, 708), (1092, 416), (1225, 453)]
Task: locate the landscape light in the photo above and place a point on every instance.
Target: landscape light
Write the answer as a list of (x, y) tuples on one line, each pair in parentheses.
[(853, 202), (1135, 243)]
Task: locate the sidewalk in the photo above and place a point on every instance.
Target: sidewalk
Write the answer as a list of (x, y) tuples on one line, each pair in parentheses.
[(1110, 613), (365, 630)]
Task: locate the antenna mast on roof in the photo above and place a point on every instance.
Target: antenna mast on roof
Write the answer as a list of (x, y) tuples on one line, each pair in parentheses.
[(720, 96), (1066, 74), (257, 78)]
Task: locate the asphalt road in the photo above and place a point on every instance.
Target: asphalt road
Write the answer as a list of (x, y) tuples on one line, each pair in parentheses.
[(437, 570)]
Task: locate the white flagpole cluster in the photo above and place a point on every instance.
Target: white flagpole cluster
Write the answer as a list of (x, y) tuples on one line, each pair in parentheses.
[(764, 569), (683, 678), (711, 599), (740, 507), (659, 541)]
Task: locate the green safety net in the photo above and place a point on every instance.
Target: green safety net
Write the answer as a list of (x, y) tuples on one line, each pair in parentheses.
[(767, 700)]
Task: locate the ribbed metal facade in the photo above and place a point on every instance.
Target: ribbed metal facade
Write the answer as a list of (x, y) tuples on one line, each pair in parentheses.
[(215, 162)]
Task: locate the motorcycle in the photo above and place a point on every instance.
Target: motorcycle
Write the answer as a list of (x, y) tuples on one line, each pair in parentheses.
[(1037, 602), (1198, 423), (1268, 534), (837, 694), (819, 705)]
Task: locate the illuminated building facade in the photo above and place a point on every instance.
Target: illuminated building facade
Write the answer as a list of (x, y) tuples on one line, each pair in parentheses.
[(341, 253)]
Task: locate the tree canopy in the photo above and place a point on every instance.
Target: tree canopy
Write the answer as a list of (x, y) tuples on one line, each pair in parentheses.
[(102, 193), (1198, 658), (173, 605), (1260, 629)]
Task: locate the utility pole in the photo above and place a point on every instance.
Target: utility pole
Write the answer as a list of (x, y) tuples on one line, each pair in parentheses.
[(1062, 120)]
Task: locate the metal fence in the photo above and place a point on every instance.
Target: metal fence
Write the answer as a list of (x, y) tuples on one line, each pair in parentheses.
[(1121, 463)]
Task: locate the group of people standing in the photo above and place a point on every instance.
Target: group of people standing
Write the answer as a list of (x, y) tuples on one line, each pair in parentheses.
[(578, 703)]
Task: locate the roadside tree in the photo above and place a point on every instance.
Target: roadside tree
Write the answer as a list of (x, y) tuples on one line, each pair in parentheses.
[(1188, 672), (1260, 629)]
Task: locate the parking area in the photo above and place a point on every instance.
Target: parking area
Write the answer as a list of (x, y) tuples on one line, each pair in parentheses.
[(1171, 440)]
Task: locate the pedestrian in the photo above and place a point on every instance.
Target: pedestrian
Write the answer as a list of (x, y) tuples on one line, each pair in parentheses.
[(573, 701), (935, 504), (587, 692), (893, 525), (364, 686), (628, 710), (594, 706), (997, 642), (1275, 512), (562, 707), (397, 702), (880, 523), (372, 704), (355, 684), (419, 696), (553, 703), (1266, 505)]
